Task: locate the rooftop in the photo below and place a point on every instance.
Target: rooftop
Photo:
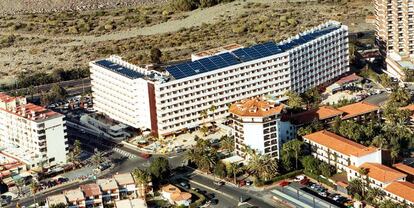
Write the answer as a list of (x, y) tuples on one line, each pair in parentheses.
[(131, 203), (350, 78), (402, 189), (340, 144), (107, 184), (191, 68), (180, 196), (91, 189), (214, 51), (6, 98), (320, 113), (124, 179), (56, 199), (255, 107), (170, 189), (380, 172), (404, 168), (74, 195), (357, 109)]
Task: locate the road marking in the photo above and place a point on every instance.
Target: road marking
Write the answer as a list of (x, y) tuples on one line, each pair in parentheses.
[(214, 190)]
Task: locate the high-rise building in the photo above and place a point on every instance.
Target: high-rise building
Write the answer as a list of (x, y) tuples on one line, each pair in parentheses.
[(395, 34), (258, 124), (31, 133), (171, 101)]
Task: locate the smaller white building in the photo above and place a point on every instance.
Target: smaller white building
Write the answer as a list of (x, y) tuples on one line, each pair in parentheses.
[(339, 151), (175, 196), (257, 124)]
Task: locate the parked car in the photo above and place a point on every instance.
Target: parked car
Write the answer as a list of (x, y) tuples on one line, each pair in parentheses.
[(185, 185), (249, 183), (219, 183), (299, 178), (210, 196)]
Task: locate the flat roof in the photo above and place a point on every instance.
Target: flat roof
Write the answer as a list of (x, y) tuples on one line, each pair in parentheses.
[(56, 199), (107, 184), (254, 52), (124, 179), (122, 70), (74, 195), (339, 143), (91, 189)]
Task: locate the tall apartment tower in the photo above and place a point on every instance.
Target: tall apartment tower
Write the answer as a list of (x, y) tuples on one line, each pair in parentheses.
[(394, 26)]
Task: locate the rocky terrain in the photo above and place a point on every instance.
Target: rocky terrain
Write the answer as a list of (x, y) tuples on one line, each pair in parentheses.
[(8, 7)]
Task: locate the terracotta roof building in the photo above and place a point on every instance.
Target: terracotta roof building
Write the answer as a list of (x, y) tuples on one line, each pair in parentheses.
[(258, 123), (381, 173), (409, 170), (175, 196), (359, 110), (339, 151), (323, 113), (401, 191)]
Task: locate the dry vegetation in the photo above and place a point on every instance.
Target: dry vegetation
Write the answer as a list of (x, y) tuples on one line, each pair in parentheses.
[(50, 41)]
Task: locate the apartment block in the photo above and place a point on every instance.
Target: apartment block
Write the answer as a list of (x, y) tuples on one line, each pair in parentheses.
[(258, 124), (350, 157), (172, 100), (31, 133), (340, 152)]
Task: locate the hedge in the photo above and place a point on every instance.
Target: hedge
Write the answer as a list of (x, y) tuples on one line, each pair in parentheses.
[(199, 202), (278, 178), (318, 178)]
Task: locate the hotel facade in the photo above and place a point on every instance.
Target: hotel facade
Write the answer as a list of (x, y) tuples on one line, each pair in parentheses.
[(31, 133), (170, 101)]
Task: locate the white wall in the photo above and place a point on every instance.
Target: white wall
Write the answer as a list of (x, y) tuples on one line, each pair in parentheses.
[(253, 136), (55, 140), (374, 157)]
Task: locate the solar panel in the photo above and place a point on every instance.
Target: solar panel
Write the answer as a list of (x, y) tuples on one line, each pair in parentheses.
[(119, 69), (197, 67), (229, 59), (243, 56), (218, 61), (208, 65)]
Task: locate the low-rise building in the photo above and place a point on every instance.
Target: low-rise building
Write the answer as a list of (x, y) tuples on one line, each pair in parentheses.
[(401, 191), (258, 124), (75, 198), (379, 175), (110, 191), (407, 169), (339, 151), (131, 203), (56, 199), (93, 194), (126, 185), (175, 196)]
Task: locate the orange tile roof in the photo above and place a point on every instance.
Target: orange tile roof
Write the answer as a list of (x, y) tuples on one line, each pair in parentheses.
[(91, 189), (320, 113), (380, 172), (349, 78), (339, 144), (170, 189), (408, 107), (357, 109), (180, 196), (255, 107), (6, 98), (404, 168), (402, 189)]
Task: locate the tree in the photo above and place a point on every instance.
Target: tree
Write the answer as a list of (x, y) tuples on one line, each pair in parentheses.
[(155, 55), (336, 124), (390, 204), (394, 115), (384, 80), (399, 97), (295, 101), (379, 141), (34, 187), (204, 115), (356, 186), (233, 169), (312, 97), (142, 178), (262, 166), (204, 130), (326, 169), (293, 147), (19, 184), (77, 149), (160, 168), (220, 170), (97, 157), (394, 154), (311, 164), (227, 142)]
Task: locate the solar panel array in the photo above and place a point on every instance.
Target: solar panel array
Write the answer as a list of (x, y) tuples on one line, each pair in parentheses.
[(119, 69), (187, 69), (258, 51)]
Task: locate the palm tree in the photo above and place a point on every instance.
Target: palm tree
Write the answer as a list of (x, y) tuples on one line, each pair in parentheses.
[(34, 187), (233, 169), (356, 186), (97, 158), (379, 141), (394, 154), (227, 143), (364, 172), (19, 184), (204, 115), (204, 130), (293, 146), (142, 178), (269, 169)]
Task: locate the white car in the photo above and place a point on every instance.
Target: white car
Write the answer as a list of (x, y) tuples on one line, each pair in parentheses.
[(299, 178)]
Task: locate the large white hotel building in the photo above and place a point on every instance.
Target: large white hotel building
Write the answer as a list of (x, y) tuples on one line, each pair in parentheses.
[(172, 100), (32, 133)]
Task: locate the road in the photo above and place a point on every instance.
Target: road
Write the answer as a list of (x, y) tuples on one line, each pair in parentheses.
[(64, 84)]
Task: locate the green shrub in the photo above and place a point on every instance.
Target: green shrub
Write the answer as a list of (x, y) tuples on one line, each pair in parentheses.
[(207, 3), (279, 178), (184, 5), (320, 179)]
